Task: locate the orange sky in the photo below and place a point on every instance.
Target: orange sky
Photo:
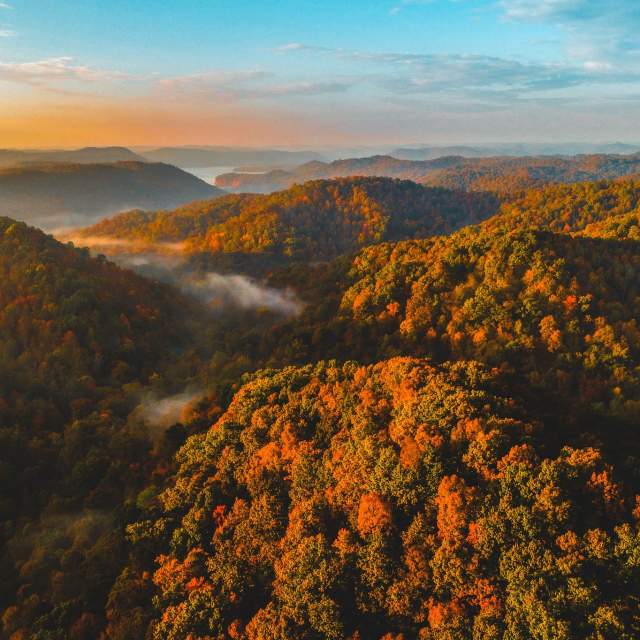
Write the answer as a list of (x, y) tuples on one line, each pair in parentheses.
[(70, 123)]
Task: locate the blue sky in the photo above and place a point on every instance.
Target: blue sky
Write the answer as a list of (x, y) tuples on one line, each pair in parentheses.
[(312, 72)]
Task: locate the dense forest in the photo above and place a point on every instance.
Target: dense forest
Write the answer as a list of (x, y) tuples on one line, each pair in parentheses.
[(318, 220), (441, 445), (494, 174), (80, 338), (61, 194), (505, 175)]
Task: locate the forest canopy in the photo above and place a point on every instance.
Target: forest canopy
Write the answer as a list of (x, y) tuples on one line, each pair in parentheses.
[(318, 220), (441, 445)]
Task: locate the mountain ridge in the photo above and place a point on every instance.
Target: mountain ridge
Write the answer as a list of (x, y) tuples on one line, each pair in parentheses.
[(55, 194)]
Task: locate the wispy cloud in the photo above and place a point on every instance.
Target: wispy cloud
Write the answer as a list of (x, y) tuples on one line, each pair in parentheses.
[(397, 8), (595, 28), (6, 33), (54, 70), (445, 76), (247, 85), (221, 83), (299, 46)]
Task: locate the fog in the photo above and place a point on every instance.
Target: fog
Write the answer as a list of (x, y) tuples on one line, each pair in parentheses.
[(159, 413), (223, 290), (106, 242), (169, 263)]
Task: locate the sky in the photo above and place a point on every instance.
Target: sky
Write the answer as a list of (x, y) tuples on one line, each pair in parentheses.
[(317, 72)]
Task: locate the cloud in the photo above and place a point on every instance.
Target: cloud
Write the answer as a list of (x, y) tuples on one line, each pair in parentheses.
[(295, 89), (54, 70), (298, 46), (601, 28), (407, 3), (555, 9), (440, 77), (235, 290), (246, 85), (6, 33), (211, 81)]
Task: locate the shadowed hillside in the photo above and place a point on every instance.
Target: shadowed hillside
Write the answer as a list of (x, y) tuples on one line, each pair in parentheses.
[(79, 341), (87, 155), (61, 194)]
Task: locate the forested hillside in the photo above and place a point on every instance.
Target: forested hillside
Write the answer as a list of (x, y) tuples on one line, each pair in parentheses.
[(396, 500), (318, 220), (79, 341), (59, 194), (568, 207), (509, 175), (621, 227), (369, 166), (466, 466), (441, 445)]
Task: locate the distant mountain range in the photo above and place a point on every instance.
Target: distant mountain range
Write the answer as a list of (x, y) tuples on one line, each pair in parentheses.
[(194, 157), (386, 166), (430, 152), (456, 172), (88, 155), (58, 194), (256, 159)]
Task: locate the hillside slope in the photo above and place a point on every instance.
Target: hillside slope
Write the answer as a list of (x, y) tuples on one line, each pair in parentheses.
[(384, 166), (60, 194), (389, 501), (318, 220), (79, 339), (568, 207), (509, 175), (475, 476)]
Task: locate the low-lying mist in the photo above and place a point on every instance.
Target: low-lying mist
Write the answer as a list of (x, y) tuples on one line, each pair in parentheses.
[(168, 263), (160, 412), (222, 290)]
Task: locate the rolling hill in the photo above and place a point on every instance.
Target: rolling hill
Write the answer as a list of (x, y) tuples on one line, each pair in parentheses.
[(429, 152), (442, 445), (509, 175), (465, 466), (371, 166), (59, 194), (318, 220), (568, 207)]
